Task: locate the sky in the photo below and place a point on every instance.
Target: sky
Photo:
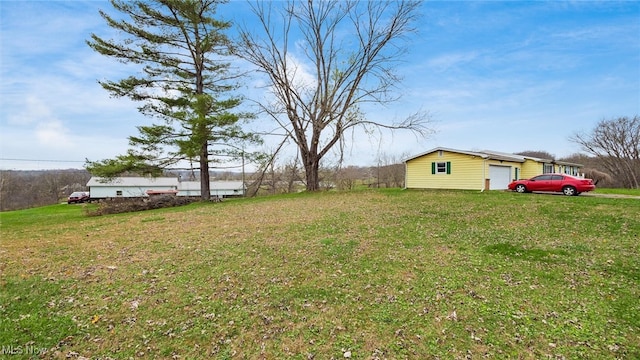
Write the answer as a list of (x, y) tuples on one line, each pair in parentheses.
[(503, 76)]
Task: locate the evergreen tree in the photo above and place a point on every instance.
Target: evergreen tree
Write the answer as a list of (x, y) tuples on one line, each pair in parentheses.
[(185, 82)]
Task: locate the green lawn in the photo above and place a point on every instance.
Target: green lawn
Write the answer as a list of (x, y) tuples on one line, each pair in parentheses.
[(374, 274), (634, 192)]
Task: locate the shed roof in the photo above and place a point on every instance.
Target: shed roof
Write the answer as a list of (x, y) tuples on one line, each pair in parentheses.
[(133, 181)]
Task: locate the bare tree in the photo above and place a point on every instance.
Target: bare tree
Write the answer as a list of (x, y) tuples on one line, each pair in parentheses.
[(350, 49), (598, 177), (593, 169), (291, 173), (617, 143), (347, 177), (541, 154), (390, 170)]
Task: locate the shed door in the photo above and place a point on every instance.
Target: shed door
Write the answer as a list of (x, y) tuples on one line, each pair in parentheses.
[(500, 177)]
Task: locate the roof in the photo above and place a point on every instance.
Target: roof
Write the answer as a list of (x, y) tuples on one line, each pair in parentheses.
[(445, 149), (133, 181), (480, 154), (495, 155), (524, 157)]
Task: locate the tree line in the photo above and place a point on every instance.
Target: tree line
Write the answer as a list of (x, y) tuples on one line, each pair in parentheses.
[(27, 189)]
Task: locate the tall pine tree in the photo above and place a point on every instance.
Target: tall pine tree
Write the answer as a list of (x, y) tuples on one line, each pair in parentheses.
[(185, 82)]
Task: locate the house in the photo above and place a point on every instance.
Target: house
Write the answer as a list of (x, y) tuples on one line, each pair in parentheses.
[(128, 187), (444, 168), (219, 189), (132, 187)]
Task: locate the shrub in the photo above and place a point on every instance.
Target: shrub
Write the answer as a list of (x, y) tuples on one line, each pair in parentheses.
[(124, 205)]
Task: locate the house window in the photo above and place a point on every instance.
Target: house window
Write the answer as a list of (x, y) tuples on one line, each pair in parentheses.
[(548, 169), (441, 167), (118, 192)]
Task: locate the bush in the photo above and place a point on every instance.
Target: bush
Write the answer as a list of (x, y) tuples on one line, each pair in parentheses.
[(125, 205)]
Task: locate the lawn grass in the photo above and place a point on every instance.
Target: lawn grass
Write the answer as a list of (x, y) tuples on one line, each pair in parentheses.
[(369, 274), (618, 191)]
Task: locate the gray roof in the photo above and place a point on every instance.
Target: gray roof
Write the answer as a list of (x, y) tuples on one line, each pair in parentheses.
[(480, 154), (133, 181), (494, 155), (446, 149), (524, 157)]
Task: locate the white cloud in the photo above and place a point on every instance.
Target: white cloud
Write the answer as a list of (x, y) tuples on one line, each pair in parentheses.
[(31, 111), (452, 60), (53, 133)]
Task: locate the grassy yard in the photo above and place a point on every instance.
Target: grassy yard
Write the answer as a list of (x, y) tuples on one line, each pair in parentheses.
[(376, 274), (633, 192)]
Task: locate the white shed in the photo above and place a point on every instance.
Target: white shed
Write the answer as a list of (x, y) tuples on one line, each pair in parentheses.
[(100, 188), (221, 189)]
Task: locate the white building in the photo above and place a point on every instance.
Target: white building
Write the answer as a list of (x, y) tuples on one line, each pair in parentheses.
[(219, 189), (129, 187)]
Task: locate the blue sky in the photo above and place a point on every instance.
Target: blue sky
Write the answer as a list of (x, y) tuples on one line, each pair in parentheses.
[(505, 76)]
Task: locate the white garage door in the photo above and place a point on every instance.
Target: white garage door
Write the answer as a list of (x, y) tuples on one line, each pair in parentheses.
[(500, 177)]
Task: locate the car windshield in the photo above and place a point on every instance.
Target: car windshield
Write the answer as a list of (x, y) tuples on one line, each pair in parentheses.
[(76, 194)]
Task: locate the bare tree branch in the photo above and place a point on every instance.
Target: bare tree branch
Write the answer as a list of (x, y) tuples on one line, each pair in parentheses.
[(318, 95), (617, 143)]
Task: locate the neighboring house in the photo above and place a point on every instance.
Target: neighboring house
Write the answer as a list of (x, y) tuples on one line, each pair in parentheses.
[(143, 186), (443, 168), (128, 187), (220, 189)]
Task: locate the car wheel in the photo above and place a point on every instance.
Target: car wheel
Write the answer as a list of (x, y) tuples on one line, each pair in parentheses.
[(569, 191), (521, 188)]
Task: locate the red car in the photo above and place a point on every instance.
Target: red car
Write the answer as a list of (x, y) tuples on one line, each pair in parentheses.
[(78, 197), (567, 184)]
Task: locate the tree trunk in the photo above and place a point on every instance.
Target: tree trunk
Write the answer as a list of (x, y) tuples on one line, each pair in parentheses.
[(311, 167), (205, 190)]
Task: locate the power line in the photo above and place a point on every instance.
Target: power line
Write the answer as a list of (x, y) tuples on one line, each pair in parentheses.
[(42, 160)]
